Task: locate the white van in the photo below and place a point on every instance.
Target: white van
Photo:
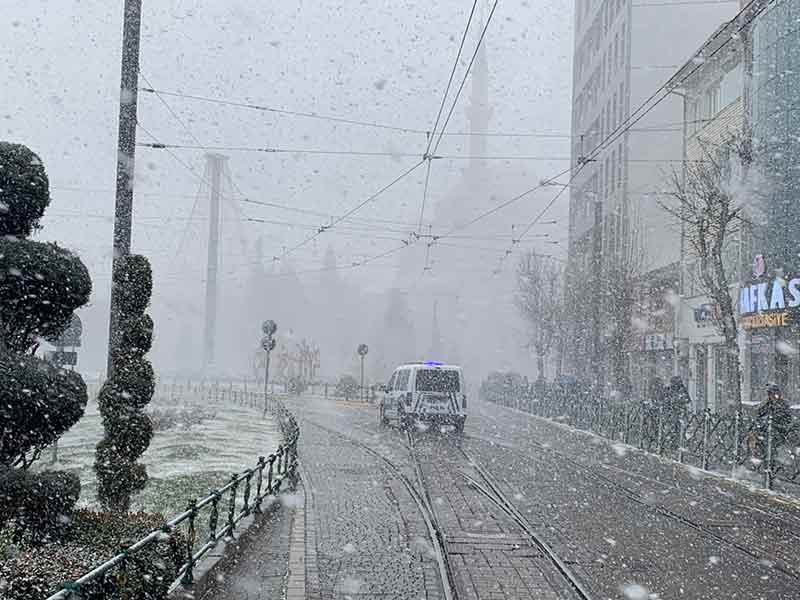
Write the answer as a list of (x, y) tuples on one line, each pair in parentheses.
[(427, 392)]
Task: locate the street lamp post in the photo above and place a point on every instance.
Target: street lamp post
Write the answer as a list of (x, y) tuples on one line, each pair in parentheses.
[(268, 328), (362, 352)]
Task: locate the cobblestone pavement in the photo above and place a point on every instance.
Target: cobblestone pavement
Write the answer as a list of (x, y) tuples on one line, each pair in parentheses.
[(630, 524), (370, 539), (489, 555), (631, 519), (260, 569)]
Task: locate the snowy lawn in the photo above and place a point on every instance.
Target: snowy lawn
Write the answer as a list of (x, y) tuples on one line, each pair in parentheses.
[(183, 463)]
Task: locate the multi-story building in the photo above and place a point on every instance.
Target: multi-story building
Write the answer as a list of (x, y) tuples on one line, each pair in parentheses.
[(711, 84), (747, 82), (624, 51)]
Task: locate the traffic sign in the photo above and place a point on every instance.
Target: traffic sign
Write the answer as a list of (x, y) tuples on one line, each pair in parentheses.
[(363, 349), (62, 358), (71, 337), (268, 343), (269, 327)]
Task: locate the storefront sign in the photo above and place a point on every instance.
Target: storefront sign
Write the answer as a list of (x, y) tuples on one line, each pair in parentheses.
[(765, 296), (657, 341), (764, 320), (769, 303), (706, 314)]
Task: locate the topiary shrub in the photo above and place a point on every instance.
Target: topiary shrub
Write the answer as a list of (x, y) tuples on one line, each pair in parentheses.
[(38, 504), (41, 285), (296, 385), (346, 387), (24, 190), (40, 403), (129, 389)]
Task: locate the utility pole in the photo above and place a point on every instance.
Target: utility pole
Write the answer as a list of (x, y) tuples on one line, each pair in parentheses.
[(126, 146), (597, 267), (362, 350), (216, 163)]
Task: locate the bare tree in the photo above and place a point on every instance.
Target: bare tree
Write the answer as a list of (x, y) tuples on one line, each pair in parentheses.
[(622, 277), (539, 300), (706, 196)]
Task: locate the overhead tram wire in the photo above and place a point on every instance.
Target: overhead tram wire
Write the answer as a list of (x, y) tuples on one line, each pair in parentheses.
[(293, 113), (356, 208), (631, 120), (511, 134), (667, 88), (466, 75), (450, 81), (266, 150), (158, 94), (188, 130)]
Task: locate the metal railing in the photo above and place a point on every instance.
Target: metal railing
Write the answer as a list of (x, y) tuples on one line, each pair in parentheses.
[(739, 442), (189, 536)]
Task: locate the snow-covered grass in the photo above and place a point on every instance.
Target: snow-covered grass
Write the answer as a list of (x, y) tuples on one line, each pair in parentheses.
[(182, 463)]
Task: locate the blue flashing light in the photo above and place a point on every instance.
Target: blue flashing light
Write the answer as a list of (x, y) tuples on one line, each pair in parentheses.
[(433, 363)]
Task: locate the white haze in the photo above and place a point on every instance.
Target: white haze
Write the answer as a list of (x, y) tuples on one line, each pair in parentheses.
[(376, 62)]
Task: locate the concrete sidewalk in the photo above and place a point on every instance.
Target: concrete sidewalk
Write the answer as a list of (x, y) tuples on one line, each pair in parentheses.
[(268, 561), (625, 516)]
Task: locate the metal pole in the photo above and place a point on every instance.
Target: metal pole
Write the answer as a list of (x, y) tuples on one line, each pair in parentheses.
[(126, 147), (597, 264), (361, 394), (769, 473), (266, 382), (215, 165)]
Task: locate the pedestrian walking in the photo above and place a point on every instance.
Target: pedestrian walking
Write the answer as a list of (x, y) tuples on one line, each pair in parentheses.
[(675, 407), (775, 406), (653, 405)]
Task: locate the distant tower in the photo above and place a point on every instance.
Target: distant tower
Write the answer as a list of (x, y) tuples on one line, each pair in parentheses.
[(478, 112), (436, 337)]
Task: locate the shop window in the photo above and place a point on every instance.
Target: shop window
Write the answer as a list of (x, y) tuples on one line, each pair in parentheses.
[(613, 170), (732, 85), (761, 362), (725, 371), (711, 102)]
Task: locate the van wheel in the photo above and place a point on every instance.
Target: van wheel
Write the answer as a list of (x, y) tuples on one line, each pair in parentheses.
[(402, 420)]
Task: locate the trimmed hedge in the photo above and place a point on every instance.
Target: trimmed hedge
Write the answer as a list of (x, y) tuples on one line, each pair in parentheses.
[(39, 505), (24, 190), (39, 571), (41, 285), (133, 281), (128, 430), (133, 384), (346, 387), (40, 403)]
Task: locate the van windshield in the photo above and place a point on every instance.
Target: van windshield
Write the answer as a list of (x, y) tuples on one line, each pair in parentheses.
[(437, 380)]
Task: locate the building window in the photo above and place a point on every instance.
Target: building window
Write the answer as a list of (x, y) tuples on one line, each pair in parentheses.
[(731, 86), (613, 170), (711, 102), (614, 111)]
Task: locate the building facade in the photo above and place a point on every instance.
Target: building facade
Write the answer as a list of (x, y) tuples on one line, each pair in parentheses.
[(747, 83), (624, 51), (712, 86)]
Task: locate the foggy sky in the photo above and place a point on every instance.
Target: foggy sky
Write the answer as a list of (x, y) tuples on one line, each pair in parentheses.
[(361, 60)]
